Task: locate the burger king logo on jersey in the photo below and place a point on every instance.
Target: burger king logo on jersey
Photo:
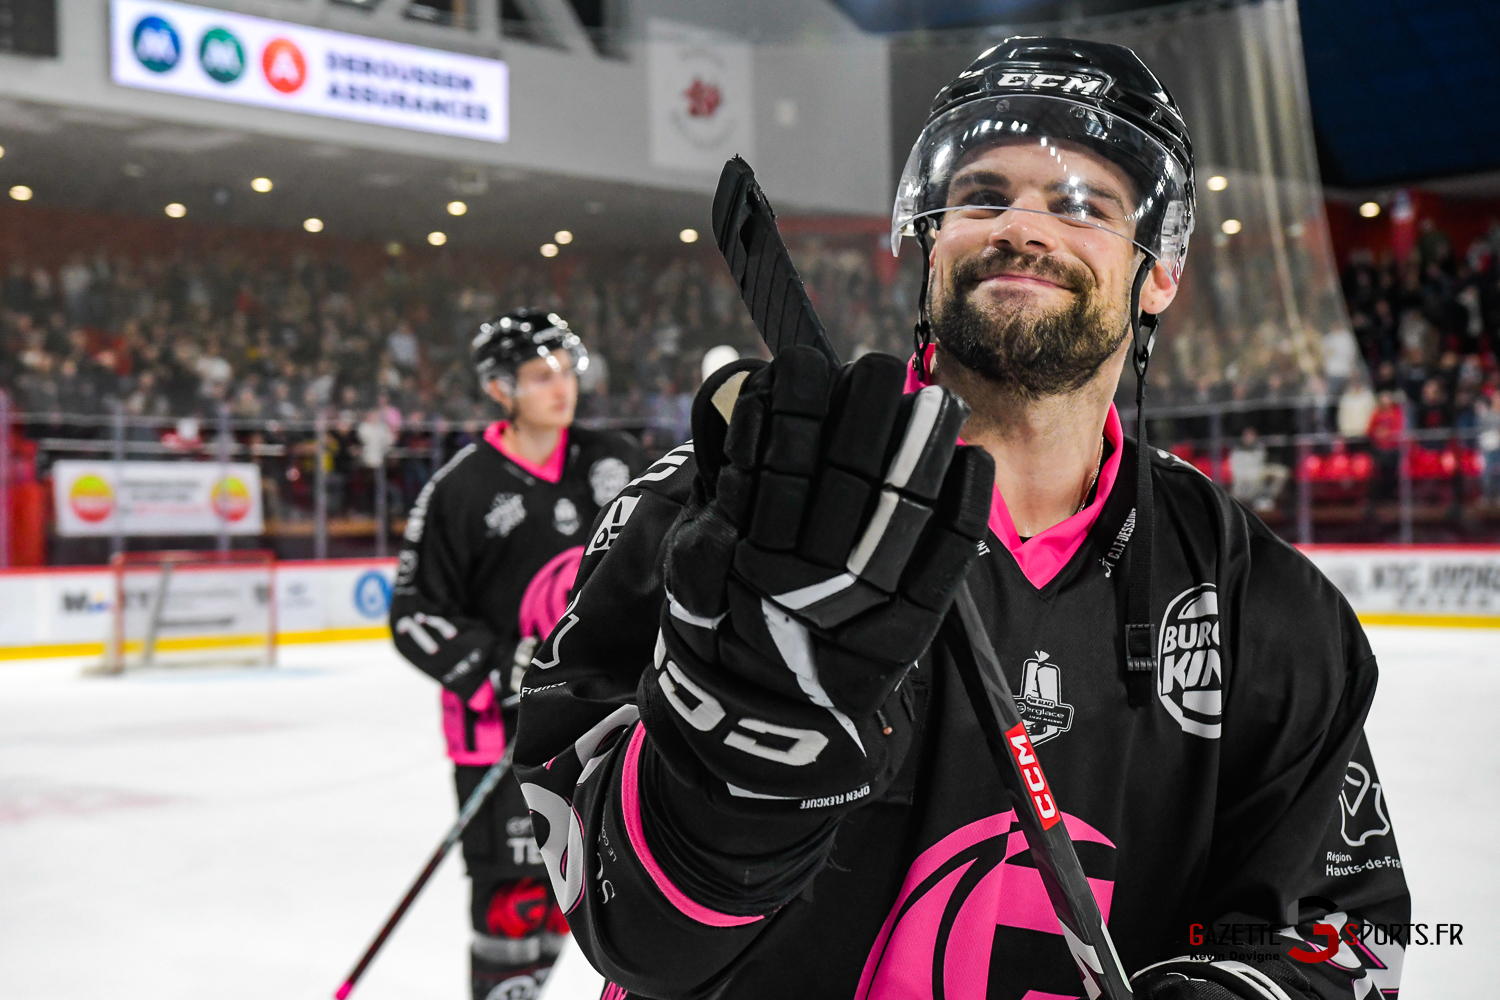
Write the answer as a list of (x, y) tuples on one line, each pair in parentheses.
[(230, 499), (1189, 665), (91, 499), (284, 65)]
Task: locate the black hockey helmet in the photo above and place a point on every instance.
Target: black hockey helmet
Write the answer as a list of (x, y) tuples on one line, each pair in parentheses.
[(1057, 95), (504, 343)]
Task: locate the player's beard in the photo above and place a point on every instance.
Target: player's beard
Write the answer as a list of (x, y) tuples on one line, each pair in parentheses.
[(1026, 349)]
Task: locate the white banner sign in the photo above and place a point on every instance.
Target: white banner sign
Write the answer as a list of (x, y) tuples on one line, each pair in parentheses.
[(699, 98), (1460, 581), (222, 56), (156, 498)]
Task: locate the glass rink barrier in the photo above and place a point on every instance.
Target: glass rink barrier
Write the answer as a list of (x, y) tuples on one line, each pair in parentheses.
[(83, 489)]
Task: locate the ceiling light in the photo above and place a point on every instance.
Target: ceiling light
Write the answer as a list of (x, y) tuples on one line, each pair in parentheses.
[(688, 236), (437, 239), (1230, 226), (176, 210), (457, 208), (133, 170), (393, 248), (549, 249), (1369, 210), (1218, 182), (2, 150), (313, 225), (563, 236), (261, 185), (21, 192)]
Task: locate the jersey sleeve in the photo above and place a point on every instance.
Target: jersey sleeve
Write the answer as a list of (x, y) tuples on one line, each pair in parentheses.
[(605, 810), (1303, 835), (428, 623)]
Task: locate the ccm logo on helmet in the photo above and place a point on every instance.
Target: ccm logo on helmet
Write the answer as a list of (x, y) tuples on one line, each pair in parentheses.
[(1063, 83), (1031, 773)]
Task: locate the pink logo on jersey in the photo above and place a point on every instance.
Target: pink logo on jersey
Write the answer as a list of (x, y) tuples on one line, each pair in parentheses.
[(964, 897)]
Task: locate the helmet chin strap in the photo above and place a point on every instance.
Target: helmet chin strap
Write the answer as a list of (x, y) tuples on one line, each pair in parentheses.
[(922, 332), (1140, 628)]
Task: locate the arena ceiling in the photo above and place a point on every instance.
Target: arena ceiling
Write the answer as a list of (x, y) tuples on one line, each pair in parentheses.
[(87, 160), (1401, 92)]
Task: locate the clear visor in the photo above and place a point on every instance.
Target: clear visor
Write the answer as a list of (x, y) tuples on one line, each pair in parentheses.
[(566, 359), (1046, 156)]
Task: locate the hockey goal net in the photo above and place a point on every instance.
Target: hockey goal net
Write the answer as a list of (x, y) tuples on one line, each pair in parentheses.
[(191, 608)]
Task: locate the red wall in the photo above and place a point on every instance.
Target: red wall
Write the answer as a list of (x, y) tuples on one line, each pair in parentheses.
[(1463, 219)]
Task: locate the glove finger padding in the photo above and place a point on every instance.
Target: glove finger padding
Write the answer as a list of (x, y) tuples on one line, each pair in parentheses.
[(823, 543)]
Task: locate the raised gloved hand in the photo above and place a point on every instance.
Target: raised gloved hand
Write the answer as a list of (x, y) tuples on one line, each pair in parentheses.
[(830, 525)]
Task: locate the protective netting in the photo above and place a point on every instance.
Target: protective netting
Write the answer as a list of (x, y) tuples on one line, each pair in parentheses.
[(1259, 314)]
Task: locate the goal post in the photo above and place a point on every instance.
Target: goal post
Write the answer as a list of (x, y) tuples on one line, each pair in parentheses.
[(188, 607)]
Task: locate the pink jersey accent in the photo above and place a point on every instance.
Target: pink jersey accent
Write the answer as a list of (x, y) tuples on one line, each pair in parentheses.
[(1042, 556), (489, 731), (613, 992), (550, 470), (546, 596), (630, 805), (901, 962)]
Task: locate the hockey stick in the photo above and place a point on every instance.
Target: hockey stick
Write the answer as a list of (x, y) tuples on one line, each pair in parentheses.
[(471, 809), (745, 229)]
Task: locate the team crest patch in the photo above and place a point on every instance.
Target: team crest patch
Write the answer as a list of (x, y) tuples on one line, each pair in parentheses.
[(1189, 666), (565, 517), (1042, 709), (507, 511), (607, 477)]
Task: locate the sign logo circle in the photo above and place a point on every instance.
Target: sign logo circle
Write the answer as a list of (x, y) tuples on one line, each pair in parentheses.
[(221, 55), (91, 498), (372, 594), (284, 65), (230, 498), (156, 44)]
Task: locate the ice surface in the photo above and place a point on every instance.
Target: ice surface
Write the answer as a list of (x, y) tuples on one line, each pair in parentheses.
[(240, 833)]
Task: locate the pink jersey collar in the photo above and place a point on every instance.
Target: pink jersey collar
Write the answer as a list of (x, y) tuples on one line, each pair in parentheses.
[(550, 470), (1043, 556)]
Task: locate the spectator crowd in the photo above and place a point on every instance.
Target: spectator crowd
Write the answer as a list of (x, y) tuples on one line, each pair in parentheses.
[(275, 342)]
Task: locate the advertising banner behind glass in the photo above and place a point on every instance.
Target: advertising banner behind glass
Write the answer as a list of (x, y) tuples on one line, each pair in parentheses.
[(199, 52), (156, 498)]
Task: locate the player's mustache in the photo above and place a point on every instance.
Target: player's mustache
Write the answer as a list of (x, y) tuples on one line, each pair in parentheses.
[(994, 261)]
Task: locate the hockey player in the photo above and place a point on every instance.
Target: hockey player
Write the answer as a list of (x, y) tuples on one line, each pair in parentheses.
[(751, 761), (491, 549)]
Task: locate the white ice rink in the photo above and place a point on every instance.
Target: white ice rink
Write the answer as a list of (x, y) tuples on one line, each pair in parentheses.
[(240, 834)]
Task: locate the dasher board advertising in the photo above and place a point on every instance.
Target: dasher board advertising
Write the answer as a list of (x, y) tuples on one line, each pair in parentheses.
[(199, 52), (156, 498)]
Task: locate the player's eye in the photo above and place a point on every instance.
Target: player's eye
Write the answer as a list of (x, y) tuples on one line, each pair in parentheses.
[(982, 203)]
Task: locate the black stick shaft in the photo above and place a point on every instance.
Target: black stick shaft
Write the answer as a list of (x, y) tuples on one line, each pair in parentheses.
[(471, 809)]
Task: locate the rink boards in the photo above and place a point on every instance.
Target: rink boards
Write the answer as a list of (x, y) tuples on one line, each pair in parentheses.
[(65, 611)]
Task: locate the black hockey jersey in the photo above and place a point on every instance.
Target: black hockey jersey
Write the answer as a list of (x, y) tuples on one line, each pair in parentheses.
[(480, 530), (1244, 788)]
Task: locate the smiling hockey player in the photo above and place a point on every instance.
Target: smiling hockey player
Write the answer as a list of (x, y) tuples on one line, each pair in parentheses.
[(492, 547), (752, 766)]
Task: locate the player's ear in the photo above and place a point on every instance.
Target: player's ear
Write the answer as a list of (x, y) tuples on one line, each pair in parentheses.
[(1159, 290), (497, 390)]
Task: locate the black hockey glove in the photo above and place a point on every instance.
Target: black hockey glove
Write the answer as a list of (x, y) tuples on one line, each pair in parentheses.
[(830, 524), (1225, 979)]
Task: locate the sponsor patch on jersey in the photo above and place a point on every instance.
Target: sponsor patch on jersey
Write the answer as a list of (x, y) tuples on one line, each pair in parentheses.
[(1042, 709), (607, 477), (406, 567), (1361, 807), (609, 527), (507, 511), (565, 517), (1189, 664)]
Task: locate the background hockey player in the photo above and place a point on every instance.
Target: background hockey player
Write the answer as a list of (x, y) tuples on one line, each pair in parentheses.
[(753, 766), (491, 549)]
